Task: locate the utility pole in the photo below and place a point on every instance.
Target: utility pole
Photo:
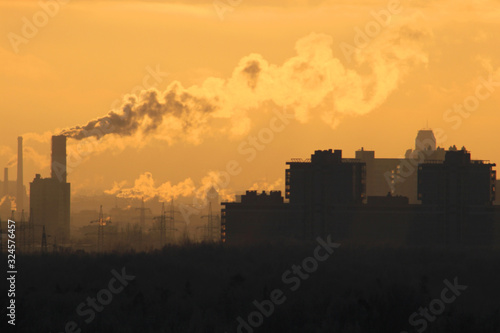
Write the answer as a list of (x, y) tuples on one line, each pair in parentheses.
[(44, 241)]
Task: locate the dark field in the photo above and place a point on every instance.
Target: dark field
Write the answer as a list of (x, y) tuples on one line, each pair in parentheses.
[(205, 288)]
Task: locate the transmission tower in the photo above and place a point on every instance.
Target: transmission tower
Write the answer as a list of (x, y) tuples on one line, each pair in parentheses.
[(166, 224), (44, 241), (101, 223)]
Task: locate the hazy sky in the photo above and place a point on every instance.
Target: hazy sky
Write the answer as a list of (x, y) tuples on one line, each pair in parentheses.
[(351, 73)]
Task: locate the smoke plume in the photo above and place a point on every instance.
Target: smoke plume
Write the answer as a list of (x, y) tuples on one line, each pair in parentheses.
[(145, 187), (312, 83)]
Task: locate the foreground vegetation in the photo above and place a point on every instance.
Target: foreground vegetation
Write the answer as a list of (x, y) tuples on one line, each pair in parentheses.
[(205, 288)]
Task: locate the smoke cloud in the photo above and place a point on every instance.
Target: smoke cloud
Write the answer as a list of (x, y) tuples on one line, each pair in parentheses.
[(40, 160), (264, 185), (145, 187), (312, 83)]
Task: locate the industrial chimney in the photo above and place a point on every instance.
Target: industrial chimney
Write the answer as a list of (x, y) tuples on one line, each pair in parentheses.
[(20, 188), (6, 181), (58, 166)]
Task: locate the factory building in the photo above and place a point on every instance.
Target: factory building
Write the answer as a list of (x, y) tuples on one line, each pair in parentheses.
[(50, 197)]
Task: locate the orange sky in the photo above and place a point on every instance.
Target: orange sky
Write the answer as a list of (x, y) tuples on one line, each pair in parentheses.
[(414, 62)]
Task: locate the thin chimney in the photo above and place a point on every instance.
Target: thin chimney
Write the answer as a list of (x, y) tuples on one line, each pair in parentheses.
[(6, 181), (20, 188), (58, 166)]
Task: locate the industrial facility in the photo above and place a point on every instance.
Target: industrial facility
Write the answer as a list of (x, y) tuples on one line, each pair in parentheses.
[(432, 196), (50, 197)]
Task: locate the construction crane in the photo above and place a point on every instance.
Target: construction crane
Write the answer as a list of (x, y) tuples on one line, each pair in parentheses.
[(101, 223)]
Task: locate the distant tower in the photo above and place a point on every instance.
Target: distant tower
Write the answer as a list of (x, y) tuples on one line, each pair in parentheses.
[(5, 181), (58, 165), (213, 218), (20, 188), (425, 140), (212, 228)]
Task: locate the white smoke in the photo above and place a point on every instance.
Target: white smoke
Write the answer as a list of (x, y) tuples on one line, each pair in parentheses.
[(303, 83)]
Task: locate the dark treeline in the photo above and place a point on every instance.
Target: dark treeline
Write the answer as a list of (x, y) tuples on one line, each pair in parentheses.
[(205, 288)]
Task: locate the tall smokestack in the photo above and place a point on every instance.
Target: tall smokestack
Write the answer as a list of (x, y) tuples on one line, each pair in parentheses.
[(58, 166), (20, 188), (6, 181)]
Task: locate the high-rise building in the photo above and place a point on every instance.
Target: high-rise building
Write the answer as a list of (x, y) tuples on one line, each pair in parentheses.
[(258, 216), (315, 186), (425, 140), (380, 173), (5, 182), (497, 196), (327, 178), (325, 198), (398, 176), (457, 186), (50, 197), (457, 181)]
